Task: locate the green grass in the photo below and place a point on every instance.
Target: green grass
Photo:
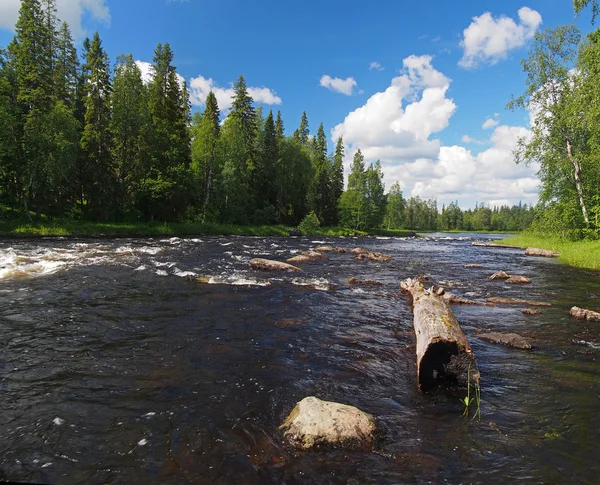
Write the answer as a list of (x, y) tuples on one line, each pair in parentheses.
[(19, 228), (581, 254)]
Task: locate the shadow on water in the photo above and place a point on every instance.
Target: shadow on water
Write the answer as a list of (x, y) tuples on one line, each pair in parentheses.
[(117, 367)]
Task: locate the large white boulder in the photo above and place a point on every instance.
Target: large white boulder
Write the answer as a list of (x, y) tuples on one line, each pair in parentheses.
[(314, 423)]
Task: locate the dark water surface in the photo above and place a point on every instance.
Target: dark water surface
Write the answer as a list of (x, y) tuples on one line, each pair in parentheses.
[(116, 368)]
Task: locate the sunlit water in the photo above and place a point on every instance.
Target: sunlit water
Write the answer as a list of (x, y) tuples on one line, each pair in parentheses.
[(116, 366)]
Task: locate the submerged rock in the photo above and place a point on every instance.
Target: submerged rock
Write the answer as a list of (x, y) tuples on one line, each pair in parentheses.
[(500, 275), (508, 339), (530, 311), (546, 253), (307, 256), (584, 314), (324, 249), (500, 300), (475, 265), (359, 251), (313, 423), (356, 282), (454, 299), (379, 257), (517, 279), (270, 265)]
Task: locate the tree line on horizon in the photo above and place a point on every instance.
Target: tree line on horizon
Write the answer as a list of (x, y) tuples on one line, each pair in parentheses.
[(84, 140)]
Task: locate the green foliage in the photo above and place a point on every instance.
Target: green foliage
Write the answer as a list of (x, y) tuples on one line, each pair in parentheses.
[(580, 5), (310, 224)]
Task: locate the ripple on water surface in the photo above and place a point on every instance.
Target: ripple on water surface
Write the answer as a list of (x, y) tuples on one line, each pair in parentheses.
[(170, 361)]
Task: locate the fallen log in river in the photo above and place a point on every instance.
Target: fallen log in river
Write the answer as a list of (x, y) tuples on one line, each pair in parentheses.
[(443, 351)]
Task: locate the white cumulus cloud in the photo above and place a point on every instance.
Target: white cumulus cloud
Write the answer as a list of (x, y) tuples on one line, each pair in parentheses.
[(343, 86), (398, 127), (487, 39), (70, 11), (395, 125), (490, 123), (376, 65), (201, 86)]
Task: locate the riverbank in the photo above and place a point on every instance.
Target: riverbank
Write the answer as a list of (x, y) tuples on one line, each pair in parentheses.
[(581, 254), (20, 229)]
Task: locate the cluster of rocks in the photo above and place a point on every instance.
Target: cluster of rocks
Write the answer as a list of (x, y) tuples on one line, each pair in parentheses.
[(317, 254)]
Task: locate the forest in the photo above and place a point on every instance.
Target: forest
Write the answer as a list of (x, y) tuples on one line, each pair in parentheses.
[(83, 139)]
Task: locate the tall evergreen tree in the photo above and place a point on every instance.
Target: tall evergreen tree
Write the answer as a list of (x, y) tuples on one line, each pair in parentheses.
[(302, 132), (239, 136), (319, 193), (279, 130), (164, 191), (66, 67), (127, 125), (336, 181), (266, 171), (96, 140), (32, 61)]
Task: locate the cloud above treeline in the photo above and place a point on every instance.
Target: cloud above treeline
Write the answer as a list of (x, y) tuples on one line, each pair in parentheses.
[(70, 11), (339, 85), (487, 40), (398, 126)]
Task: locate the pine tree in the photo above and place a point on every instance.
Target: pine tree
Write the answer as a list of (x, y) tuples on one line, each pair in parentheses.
[(279, 130), (302, 132), (239, 136), (31, 57), (66, 67), (164, 191), (99, 186), (11, 131), (266, 193), (319, 194), (127, 124), (336, 181)]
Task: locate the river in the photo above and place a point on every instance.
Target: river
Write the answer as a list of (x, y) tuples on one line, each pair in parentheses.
[(117, 366)]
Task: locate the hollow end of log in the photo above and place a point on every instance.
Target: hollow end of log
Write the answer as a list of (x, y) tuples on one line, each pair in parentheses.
[(444, 363)]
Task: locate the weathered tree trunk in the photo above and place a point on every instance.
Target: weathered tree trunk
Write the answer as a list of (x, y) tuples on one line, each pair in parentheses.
[(443, 351)]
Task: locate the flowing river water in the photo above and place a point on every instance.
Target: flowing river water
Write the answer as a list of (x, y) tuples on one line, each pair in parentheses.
[(116, 366)]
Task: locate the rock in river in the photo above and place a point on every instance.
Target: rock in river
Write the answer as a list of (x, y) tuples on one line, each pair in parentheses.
[(509, 339), (270, 265), (517, 279), (546, 253), (585, 314), (306, 256), (313, 423)]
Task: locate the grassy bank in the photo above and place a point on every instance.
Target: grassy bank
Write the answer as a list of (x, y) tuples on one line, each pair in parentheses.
[(87, 229), (581, 254)]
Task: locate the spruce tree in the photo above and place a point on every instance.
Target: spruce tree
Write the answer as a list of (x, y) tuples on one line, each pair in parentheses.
[(239, 136), (302, 132), (99, 184), (319, 194), (336, 180), (66, 67), (279, 129), (164, 191), (127, 124)]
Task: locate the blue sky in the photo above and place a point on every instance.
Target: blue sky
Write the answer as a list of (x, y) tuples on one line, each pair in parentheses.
[(422, 86)]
